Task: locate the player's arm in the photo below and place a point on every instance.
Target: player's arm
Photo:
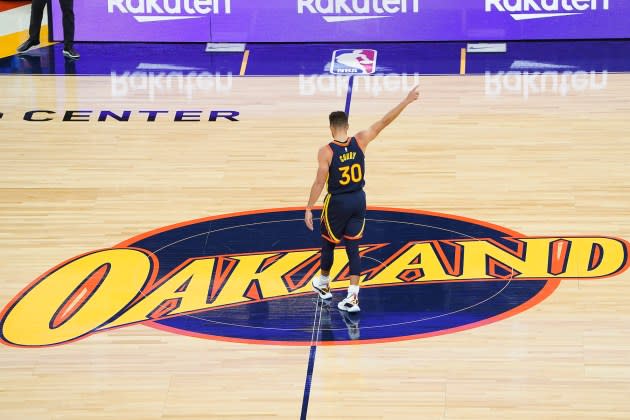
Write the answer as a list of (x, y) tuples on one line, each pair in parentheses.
[(364, 137), (324, 157)]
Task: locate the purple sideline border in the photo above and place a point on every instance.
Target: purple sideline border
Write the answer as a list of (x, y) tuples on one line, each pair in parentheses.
[(387, 20)]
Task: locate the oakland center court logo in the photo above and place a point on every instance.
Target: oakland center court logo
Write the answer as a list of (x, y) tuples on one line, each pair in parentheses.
[(245, 277)]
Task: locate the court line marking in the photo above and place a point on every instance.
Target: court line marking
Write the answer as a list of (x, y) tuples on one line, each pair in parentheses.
[(226, 228), (317, 319), (244, 63), (349, 95)]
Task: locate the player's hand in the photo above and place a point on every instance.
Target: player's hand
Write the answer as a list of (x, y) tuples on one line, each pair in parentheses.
[(413, 94), (308, 219)]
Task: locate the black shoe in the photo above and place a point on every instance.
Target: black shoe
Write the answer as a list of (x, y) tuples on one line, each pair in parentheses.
[(27, 45), (71, 53)]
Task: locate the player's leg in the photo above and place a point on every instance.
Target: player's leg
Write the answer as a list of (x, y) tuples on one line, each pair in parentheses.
[(352, 234), (331, 228), (321, 283), (351, 302)]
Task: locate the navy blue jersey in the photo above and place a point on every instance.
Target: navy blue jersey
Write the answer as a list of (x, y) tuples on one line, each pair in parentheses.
[(347, 168)]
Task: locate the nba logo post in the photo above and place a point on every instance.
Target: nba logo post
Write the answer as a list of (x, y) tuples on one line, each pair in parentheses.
[(357, 61)]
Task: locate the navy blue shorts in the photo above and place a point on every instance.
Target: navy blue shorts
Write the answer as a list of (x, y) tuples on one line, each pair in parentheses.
[(343, 216)]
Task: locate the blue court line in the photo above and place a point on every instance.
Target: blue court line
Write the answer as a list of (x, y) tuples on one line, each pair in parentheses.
[(307, 385), (311, 358), (318, 313), (349, 95)]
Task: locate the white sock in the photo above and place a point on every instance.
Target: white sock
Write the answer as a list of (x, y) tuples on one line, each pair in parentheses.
[(353, 290), (323, 280)]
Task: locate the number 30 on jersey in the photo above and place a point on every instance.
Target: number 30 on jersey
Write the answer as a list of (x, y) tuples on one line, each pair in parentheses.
[(351, 173)]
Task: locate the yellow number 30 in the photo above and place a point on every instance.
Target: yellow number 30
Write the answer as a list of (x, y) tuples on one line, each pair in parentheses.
[(348, 173)]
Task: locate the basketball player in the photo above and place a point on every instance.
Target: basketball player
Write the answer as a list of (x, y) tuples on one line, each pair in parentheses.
[(341, 167)]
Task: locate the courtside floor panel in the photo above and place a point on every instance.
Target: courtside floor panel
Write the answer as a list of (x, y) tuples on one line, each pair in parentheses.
[(296, 59)]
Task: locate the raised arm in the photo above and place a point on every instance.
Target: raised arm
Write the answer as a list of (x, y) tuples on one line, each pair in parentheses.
[(324, 156), (364, 137)]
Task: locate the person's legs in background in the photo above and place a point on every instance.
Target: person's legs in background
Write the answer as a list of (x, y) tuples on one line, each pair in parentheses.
[(37, 13), (67, 8)]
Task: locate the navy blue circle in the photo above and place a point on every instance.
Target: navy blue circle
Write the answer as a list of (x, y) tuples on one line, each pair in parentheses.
[(388, 313)]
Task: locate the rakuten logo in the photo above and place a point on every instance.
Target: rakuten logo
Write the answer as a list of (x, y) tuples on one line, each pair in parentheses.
[(540, 9), (350, 10), (160, 84), (545, 83), (373, 86), (159, 10)]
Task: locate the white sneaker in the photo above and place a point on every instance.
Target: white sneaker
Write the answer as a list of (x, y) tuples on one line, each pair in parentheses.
[(349, 304), (322, 290)]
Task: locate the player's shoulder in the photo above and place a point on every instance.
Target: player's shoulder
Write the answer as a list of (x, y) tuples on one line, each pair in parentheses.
[(360, 140), (325, 151), (326, 148)]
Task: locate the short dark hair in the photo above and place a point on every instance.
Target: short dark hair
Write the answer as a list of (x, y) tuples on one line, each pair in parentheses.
[(338, 119)]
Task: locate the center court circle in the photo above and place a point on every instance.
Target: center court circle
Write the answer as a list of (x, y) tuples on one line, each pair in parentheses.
[(389, 313)]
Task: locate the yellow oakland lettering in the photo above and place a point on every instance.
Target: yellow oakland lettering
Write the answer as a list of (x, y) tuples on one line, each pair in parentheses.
[(532, 264), (28, 323), (420, 262), (429, 266), (90, 292), (197, 273), (538, 257), (270, 279), (614, 257)]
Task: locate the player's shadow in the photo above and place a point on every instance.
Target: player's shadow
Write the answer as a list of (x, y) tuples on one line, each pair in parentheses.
[(351, 320), (352, 323)]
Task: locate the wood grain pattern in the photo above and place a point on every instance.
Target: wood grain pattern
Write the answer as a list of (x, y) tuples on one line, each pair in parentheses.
[(552, 161)]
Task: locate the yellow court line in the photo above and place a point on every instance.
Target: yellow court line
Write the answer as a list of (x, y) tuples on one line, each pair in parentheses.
[(10, 42), (244, 63), (462, 62)]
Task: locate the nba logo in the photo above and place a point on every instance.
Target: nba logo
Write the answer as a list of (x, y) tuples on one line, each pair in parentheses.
[(353, 62)]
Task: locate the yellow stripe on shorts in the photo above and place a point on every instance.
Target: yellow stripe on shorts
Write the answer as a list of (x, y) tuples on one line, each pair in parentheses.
[(325, 217)]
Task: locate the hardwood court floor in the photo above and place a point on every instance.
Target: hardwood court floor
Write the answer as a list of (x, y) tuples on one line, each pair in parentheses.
[(547, 162)]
